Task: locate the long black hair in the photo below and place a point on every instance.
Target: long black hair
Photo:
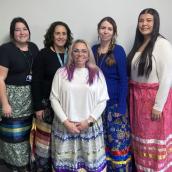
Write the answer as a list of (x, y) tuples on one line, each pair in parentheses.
[(49, 36), (145, 60)]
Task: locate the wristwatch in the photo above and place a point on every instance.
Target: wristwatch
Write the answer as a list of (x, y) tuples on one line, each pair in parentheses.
[(90, 122)]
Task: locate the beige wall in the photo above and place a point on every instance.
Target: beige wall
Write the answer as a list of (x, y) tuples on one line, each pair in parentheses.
[(82, 16)]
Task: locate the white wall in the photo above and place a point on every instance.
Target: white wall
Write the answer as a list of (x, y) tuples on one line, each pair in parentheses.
[(82, 16)]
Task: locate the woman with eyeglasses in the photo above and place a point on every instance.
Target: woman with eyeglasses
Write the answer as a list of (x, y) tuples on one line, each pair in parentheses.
[(78, 98), (111, 59), (16, 111), (58, 38)]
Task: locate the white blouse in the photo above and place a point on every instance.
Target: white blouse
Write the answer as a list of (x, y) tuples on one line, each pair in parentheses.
[(161, 71), (76, 100)]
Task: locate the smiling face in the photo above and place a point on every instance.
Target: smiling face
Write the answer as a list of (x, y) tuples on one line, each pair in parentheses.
[(60, 36), (80, 54), (106, 31), (145, 24), (21, 33)]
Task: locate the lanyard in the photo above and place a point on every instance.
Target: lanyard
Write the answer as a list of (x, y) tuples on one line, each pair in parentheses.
[(60, 60), (28, 55)]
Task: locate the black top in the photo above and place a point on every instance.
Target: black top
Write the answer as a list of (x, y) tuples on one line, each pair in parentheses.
[(44, 68), (18, 62)]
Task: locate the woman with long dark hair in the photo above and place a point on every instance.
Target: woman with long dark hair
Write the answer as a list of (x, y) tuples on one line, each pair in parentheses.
[(16, 110), (111, 59), (150, 69)]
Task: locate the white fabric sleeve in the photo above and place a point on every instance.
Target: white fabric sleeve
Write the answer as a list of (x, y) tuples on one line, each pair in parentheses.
[(98, 110), (54, 97), (163, 59), (102, 97)]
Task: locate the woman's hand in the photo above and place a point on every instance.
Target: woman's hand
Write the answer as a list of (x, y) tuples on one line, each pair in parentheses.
[(40, 114), (71, 127), (156, 115), (83, 125), (6, 110)]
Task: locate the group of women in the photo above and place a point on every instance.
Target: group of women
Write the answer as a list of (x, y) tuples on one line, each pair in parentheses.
[(76, 96)]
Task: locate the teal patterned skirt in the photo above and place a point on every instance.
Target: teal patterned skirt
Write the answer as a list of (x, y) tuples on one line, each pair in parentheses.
[(14, 131)]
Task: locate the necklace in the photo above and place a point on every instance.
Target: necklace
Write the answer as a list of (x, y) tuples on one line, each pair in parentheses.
[(100, 59)]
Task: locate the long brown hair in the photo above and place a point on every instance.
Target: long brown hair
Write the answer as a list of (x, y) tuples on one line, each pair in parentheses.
[(110, 60)]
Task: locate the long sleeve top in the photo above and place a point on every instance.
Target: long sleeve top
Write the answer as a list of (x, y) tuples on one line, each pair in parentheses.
[(76, 100), (44, 69), (116, 77), (161, 71)]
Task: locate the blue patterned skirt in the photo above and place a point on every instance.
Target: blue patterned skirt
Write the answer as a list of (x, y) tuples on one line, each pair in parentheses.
[(117, 140), (71, 152)]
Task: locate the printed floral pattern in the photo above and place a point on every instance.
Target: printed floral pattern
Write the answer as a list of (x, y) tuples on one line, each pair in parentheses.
[(117, 140)]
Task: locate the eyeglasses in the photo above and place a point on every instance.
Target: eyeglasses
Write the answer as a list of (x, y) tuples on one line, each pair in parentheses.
[(82, 51)]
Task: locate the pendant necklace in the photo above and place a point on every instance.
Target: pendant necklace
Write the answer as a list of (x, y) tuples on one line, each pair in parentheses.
[(101, 57)]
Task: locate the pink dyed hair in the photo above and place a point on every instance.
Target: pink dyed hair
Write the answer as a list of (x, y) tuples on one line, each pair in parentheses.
[(90, 64)]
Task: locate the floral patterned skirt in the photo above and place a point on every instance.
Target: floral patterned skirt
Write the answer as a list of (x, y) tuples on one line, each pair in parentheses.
[(14, 137), (117, 141)]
